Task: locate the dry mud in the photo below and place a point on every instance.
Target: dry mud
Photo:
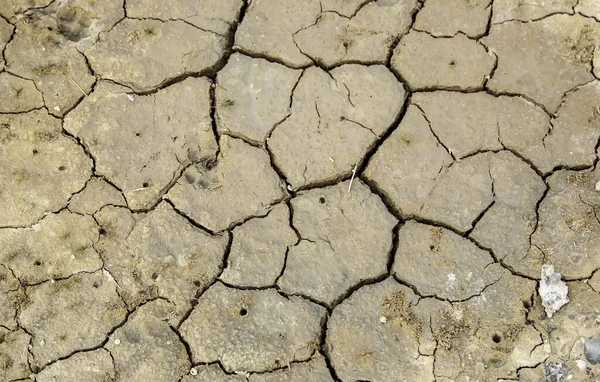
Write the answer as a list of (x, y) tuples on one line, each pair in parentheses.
[(298, 190)]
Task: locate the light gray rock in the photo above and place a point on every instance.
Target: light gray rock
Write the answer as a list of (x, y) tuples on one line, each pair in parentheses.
[(159, 254), (552, 56), (505, 10), (144, 54), (407, 164), (366, 36), (269, 26), (592, 350), (46, 48), (211, 373), (18, 95), (346, 238), (96, 194), (241, 184), (258, 250), (332, 124), (146, 348), (93, 366), (571, 326), (438, 262), (253, 96), (71, 238), (13, 354), (216, 16), (449, 17), (314, 370), (70, 315), (252, 330), (566, 234), (40, 167), (455, 63), (169, 129), (553, 291), (362, 347), (556, 371), (9, 286), (572, 141)]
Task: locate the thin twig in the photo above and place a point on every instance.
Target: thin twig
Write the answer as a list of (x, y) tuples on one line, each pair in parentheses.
[(73, 81), (352, 179)]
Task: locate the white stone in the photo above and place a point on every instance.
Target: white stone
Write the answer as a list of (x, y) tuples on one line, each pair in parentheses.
[(553, 291)]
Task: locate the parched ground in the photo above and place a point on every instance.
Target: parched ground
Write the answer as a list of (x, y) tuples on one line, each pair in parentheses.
[(298, 190)]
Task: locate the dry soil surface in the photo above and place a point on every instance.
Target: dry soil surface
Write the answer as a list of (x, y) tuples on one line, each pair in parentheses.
[(299, 190)]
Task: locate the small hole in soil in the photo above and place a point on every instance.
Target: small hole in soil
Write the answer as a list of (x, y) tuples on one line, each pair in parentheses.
[(61, 168), (452, 63), (102, 231), (189, 178), (496, 338), (145, 184), (35, 152), (154, 276), (210, 163), (197, 283), (96, 284), (432, 247), (138, 134), (526, 305), (346, 44), (37, 263), (322, 200), (243, 312)]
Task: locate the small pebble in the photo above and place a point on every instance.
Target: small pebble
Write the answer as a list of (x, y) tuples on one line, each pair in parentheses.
[(193, 371), (117, 341), (581, 364), (383, 319), (130, 97), (592, 350), (598, 186), (556, 371)]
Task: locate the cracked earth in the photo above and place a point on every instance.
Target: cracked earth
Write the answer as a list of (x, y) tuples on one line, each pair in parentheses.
[(298, 190)]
